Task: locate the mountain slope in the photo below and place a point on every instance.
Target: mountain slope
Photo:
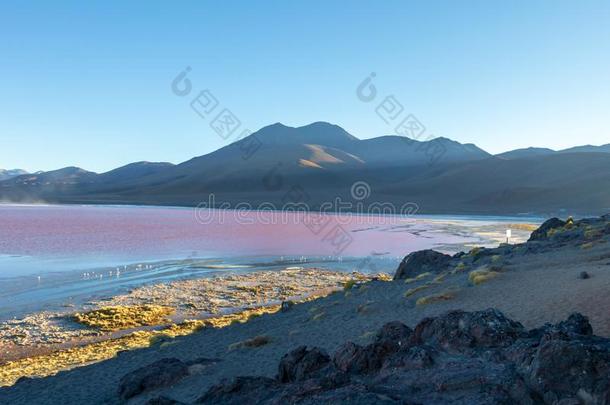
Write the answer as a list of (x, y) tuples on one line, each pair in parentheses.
[(8, 174), (525, 152), (529, 152), (588, 149)]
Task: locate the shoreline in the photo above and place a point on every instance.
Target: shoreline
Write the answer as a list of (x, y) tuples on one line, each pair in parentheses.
[(41, 337), (532, 216)]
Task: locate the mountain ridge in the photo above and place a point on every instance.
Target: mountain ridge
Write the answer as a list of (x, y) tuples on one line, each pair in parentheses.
[(440, 175)]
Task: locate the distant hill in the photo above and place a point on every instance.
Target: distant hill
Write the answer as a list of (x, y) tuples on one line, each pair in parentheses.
[(7, 174), (529, 152), (588, 148), (526, 152), (322, 161)]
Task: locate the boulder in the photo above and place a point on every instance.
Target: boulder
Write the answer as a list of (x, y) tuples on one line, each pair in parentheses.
[(162, 400), (158, 374), (459, 330), (415, 357), (564, 369), (301, 363), (420, 262), (356, 359), (241, 390), (541, 232), (576, 324), (394, 332)]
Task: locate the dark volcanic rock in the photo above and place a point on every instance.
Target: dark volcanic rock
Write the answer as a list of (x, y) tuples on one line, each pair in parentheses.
[(163, 401), (353, 358), (576, 324), (541, 233), (459, 330), (420, 262), (242, 390), (158, 374), (584, 275), (301, 363), (460, 357), (570, 369)]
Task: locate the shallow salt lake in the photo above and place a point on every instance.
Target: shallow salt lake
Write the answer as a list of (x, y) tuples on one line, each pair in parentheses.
[(54, 256)]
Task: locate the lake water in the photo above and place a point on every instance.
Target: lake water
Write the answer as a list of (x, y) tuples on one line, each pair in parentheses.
[(53, 256)]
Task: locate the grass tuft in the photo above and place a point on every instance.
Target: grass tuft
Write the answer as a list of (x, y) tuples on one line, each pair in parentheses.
[(444, 296), (417, 278), (256, 341), (415, 290), (477, 277), (586, 246)]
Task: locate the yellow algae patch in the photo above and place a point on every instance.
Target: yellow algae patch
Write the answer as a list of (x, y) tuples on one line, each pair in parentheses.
[(383, 277), (124, 317), (523, 227)]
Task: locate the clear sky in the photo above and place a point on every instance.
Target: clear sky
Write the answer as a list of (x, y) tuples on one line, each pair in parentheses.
[(89, 83)]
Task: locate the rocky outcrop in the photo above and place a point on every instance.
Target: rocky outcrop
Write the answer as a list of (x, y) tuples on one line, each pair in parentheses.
[(301, 363), (458, 331), (420, 262), (158, 374), (552, 234), (460, 357), (541, 232)]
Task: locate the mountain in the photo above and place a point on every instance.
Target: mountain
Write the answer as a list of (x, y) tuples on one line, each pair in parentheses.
[(588, 149), (529, 152), (526, 152), (318, 163), (7, 174)]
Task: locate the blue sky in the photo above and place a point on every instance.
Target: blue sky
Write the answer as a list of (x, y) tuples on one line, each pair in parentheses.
[(89, 83)]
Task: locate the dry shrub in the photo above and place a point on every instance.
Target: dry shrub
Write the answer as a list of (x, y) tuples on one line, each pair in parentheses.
[(419, 277), (256, 341), (415, 290), (444, 296), (477, 277)]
